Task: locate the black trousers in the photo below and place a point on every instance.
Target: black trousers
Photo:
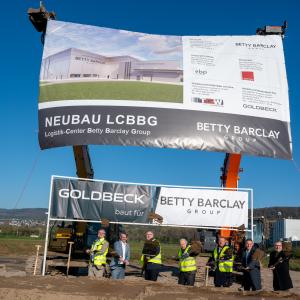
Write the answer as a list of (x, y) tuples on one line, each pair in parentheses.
[(187, 278), (222, 279), (152, 271), (249, 283)]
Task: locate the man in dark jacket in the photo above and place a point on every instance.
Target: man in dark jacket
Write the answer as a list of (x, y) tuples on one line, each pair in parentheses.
[(279, 263), (251, 268)]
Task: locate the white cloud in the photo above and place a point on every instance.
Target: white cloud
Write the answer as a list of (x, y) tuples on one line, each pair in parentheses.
[(111, 42)]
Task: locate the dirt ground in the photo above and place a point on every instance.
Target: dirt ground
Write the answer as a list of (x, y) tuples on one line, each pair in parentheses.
[(17, 282)]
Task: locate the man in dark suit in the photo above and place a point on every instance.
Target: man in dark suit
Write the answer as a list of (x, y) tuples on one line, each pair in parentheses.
[(121, 257), (251, 268), (279, 264)]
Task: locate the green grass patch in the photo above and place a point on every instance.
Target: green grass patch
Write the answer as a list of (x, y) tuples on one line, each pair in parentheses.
[(168, 250), (112, 90), (20, 246), (26, 246), (294, 263), (296, 252), (14, 237)]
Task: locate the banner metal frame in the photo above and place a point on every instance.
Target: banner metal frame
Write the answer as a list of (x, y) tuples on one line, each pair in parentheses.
[(49, 218)]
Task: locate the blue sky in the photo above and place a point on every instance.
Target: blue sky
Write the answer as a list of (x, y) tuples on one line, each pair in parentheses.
[(275, 182)]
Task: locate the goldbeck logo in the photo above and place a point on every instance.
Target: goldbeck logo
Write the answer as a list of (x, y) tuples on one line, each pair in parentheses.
[(97, 196)]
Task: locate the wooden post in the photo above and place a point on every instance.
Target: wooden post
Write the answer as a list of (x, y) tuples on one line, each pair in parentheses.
[(36, 258), (206, 275), (69, 257)]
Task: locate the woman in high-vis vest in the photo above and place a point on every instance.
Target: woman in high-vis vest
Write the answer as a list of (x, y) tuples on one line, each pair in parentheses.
[(187, 264), (151, 257), (98, 254), (222, 259)]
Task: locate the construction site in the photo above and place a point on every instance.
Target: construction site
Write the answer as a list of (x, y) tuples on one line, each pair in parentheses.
[(56, 284), (135, 237)]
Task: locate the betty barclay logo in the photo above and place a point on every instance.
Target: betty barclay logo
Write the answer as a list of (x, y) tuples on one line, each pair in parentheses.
[(208, 101), (256, 46), (201, 202)]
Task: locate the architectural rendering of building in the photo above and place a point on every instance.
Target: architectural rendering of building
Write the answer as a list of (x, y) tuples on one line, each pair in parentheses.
[(75, 63)]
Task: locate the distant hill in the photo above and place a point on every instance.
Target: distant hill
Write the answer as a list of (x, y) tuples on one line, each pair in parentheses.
[(39, 213), (272, 212), (23, 213)]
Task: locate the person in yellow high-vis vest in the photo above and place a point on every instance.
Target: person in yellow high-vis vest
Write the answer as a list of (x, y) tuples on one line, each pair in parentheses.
[(187, 264), (222, 259), (98, 254), (151, 257)]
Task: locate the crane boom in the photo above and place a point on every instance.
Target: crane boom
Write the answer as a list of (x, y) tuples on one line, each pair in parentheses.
[(84, 167), (230, 170)]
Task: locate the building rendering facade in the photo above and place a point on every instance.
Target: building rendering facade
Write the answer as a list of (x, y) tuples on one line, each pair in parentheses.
[(74, 63)]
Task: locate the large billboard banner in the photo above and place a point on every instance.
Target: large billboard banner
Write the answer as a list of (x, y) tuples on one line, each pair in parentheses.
[(95, 200), (216, 93)]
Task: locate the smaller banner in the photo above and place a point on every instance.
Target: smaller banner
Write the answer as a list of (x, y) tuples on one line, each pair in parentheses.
[(202, 207), (96, 200), (93, 200)]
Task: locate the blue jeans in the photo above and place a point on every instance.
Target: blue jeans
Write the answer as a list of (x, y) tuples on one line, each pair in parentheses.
[(118, 272)]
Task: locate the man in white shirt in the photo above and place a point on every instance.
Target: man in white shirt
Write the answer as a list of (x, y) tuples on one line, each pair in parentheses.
[(121, 257)]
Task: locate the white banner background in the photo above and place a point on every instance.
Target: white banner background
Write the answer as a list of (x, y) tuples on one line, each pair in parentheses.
[(214, 69), (203, 207)]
